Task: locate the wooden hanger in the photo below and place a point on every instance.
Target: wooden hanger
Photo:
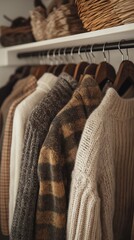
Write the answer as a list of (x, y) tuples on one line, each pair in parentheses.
[(51, 68), (38, 71), (129, 93), (125, 75), (79, 70), (55, 69), (105, 72), (69, 68), (80, 67), (91, 69), (58, 69)]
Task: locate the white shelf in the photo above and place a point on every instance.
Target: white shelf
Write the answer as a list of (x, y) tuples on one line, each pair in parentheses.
[(8, 56)]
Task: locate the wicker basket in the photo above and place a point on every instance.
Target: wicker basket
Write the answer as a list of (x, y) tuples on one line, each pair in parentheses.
[(15, 36), (38, 23), (63, 21), (99, 14)]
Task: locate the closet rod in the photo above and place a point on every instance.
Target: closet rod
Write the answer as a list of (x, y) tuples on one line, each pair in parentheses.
[(123, 44)]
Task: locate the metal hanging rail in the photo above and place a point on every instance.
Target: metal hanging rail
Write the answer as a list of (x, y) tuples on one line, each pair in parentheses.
[(123, 44)]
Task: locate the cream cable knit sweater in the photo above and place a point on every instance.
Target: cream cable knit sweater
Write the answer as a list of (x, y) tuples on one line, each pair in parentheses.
[(101, 203), (22, 112)]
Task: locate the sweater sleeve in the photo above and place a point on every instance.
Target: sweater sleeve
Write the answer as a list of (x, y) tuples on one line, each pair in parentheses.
[(91, 198), (15, 159), (84, 211), (51, 207)]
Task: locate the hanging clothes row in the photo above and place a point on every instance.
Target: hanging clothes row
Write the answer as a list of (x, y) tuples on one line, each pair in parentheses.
[(67, 156)]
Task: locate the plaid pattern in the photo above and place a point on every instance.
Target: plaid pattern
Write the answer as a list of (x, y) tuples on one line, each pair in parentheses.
[(16, 93), (5, 158), (57, 159), (0, 121)]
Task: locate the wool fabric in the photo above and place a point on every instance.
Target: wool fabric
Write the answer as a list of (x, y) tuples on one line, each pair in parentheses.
[(16, 93), (22, 112), (57, 159), (36, 131), (101, 202), (5, 157)]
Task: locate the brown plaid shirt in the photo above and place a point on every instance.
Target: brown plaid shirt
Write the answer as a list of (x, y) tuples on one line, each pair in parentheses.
[(0, 121), (5, 158), (57, 159), (16, 93)]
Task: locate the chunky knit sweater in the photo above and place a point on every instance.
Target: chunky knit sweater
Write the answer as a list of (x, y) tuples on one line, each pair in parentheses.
[(36, 131), (101, 203), (57, 159), (22, 112)]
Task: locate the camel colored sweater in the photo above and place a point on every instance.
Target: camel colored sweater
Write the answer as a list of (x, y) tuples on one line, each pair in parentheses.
[(102, 190)]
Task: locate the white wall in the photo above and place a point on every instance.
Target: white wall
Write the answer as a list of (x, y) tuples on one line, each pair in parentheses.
[(13, 9)]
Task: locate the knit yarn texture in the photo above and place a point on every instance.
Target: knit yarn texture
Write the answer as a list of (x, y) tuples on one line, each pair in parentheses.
[(36, 131), (102, 190), (57, 159), (22, 112), (27, 89)]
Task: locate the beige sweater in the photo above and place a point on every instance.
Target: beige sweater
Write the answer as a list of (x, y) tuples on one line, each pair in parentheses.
[(102, 190)]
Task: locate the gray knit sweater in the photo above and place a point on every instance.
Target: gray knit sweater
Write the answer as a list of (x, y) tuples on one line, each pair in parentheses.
[(36, 131)]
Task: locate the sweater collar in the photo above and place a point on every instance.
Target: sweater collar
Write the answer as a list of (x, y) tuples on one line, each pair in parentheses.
[(46, 82), (117, 106), (88, 94)]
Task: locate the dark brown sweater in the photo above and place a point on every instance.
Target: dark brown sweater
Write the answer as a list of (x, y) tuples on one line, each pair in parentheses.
[(36, 131)]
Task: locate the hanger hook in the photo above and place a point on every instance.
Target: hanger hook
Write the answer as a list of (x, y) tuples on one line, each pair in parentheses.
[(59, 55), (79, 53), (104, 54), (54, 55), (40, 58), (65, 55), (72, 54), (43, 58), (49, 57), (127, 53), (91, 51), (87, 54), (119, 47)]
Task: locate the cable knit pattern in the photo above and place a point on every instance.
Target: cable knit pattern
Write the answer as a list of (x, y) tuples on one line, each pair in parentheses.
[(102, 191), (57, 158), (36, 131)]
